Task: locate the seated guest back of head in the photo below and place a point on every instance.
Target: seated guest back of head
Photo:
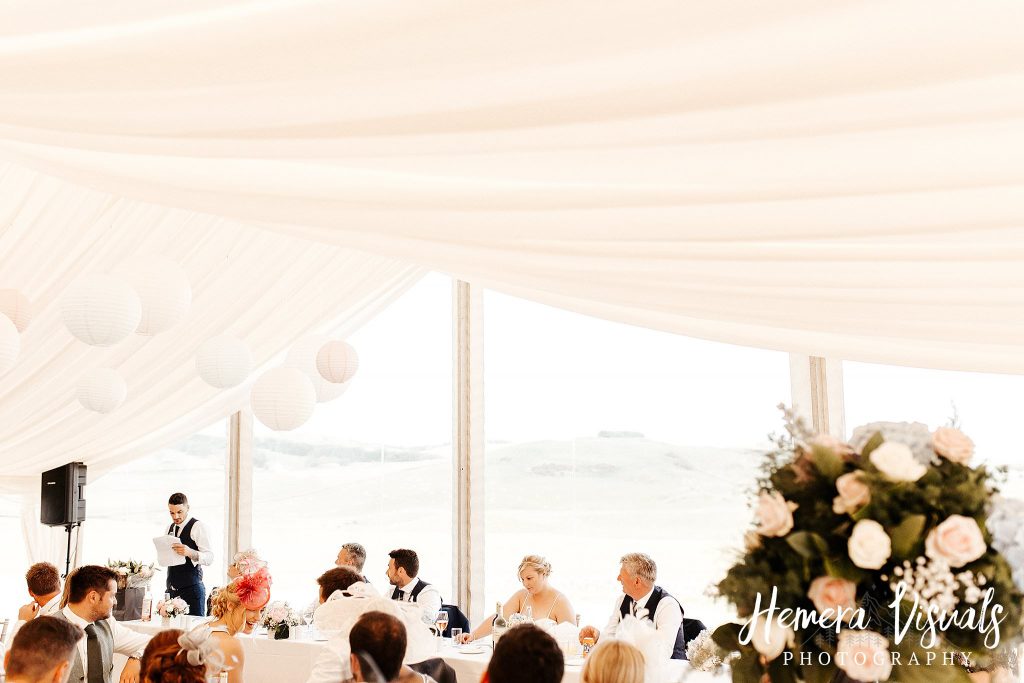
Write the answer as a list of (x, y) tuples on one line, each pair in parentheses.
[(614, 661), (332, 664), (166, 660), (91, 594), (337, 579), (378, 643), (43, 583), (403, 573), (352, 555), (536, 594), (525, 654), (646, 601), (42, 651)]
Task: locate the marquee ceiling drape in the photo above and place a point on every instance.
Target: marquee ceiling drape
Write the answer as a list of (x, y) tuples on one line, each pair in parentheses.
[(835, 178)]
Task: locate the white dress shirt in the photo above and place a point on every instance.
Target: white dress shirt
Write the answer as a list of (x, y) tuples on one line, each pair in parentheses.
[(668, 617), (429, 598), (47, 610), (332, 664), (126, 641), (203, 556)]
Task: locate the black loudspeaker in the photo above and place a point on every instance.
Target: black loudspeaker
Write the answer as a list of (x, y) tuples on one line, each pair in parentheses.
[(63, 495)]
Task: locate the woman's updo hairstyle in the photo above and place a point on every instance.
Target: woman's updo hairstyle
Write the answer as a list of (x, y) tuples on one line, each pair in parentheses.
[(164, 661), (536, 563), (225, 604)]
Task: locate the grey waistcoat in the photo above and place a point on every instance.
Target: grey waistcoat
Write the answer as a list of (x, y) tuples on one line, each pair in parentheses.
[(106, 639)]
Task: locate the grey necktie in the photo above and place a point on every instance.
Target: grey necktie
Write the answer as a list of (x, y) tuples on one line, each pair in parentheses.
[(401, 595), (94, 663)]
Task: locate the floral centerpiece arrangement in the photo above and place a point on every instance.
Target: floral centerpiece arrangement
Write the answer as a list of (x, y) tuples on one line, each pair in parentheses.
[(175, 607), (879, 559), (277, 619), (132, 574)]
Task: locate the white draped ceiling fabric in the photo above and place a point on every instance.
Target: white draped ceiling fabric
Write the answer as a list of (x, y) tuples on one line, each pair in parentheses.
[(836, 178)]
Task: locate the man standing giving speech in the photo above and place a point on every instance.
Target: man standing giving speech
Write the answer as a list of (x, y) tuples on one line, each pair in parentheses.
[(185, 580)]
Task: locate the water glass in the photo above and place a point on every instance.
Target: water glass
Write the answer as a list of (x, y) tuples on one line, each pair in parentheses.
[(456, 634)]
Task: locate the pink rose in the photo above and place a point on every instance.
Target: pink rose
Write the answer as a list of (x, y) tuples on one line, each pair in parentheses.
[(953, 445), (829, 594), (853, 493), (864, 655), (774, 514), (957, 541)]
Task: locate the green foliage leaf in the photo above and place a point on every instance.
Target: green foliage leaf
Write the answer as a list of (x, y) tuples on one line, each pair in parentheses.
[(906, 536), (827, 462), (936, 672), (874, 442), (747, 669), (727, 637), (780, 672), (808, 544), (843, 568)]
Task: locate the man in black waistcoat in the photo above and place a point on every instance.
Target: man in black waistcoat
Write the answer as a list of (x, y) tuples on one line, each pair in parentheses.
[(185, 581), (646, 601)]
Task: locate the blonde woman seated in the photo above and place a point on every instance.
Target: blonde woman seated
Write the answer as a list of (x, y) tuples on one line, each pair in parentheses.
[(545, 601), (236, 609), (614, 661)]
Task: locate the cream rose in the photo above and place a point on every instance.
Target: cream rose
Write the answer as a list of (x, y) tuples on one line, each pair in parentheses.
[(953, 445), (853, 493), (829, 594), (864, 655), (956, 541), (770, 641), (869, 545), (774, 514), (896, 461)]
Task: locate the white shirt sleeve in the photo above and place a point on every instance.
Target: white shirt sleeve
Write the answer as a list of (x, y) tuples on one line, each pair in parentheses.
[(332, 664), (613, 622), (126, 641), (430, 599), (667, 619), (204, 555)]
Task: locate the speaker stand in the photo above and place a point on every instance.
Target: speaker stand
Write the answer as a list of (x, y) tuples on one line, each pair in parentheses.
[(67, 557)]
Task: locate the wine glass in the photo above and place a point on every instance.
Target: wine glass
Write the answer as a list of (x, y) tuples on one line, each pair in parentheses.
[(441, 620), (307, 619)]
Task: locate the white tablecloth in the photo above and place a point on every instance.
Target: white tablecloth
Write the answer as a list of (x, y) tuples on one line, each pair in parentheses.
[(290, 661)]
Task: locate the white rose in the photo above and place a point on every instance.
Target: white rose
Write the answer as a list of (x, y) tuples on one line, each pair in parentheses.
[(853, 493), (829, 594), (957, 541), (869, 545), (864, 655), (774, 514), (953, 445), (773, 642), (896, 461)]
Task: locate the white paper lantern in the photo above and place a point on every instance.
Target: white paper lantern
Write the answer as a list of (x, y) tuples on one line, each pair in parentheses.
[(163, 289), (224, 361), (283, 399), (337, 361), (17, 307), (101, 310), (102, 390), (302, 356), (10, 344)]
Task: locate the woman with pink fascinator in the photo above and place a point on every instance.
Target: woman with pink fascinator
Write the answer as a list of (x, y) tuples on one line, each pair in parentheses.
[(236, 608)]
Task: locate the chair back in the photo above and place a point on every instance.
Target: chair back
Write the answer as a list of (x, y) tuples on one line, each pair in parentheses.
[(436, 668)]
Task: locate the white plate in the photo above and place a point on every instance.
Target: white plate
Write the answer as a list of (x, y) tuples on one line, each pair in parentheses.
[(472, 649), (575, 661)]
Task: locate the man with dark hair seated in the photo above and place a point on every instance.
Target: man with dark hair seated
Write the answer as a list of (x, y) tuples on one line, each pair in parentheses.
[(525, 654), (378, 643), (42, 651), (91, 595)]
